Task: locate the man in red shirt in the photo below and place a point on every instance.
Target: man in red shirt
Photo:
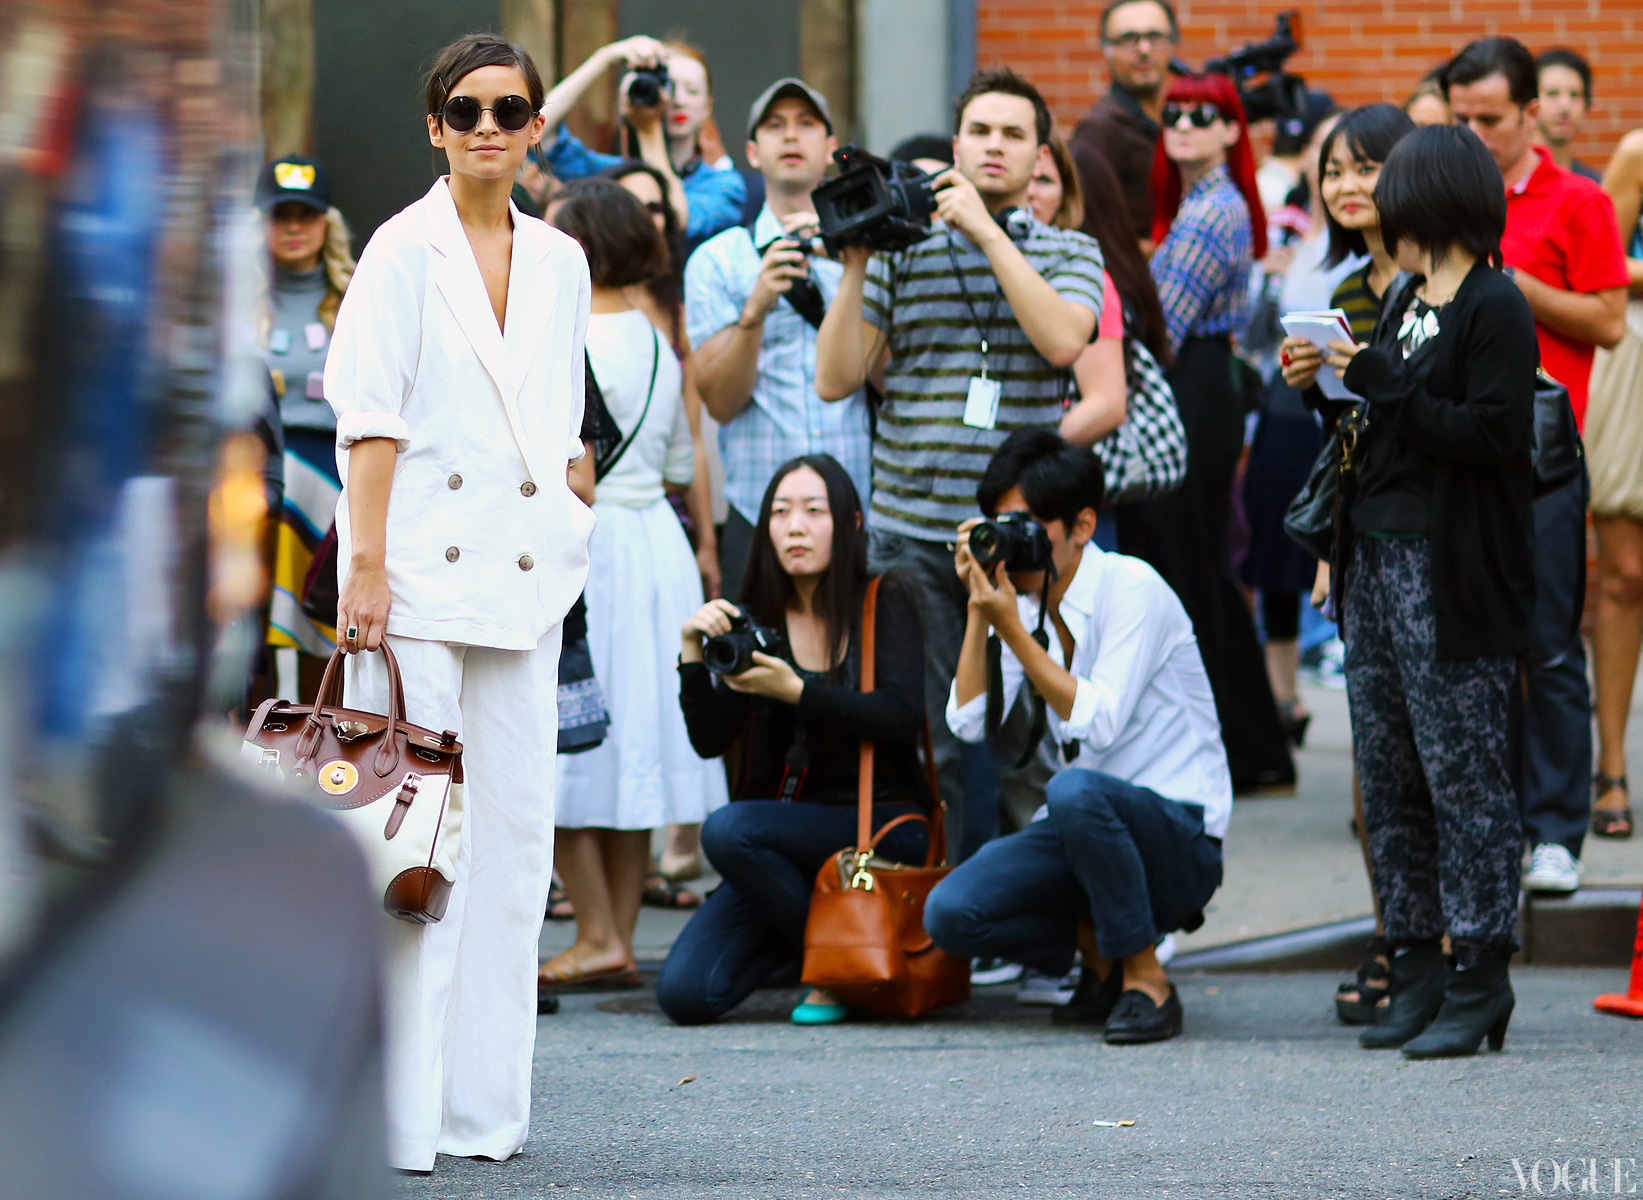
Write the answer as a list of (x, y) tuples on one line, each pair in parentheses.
[(1562, 248)]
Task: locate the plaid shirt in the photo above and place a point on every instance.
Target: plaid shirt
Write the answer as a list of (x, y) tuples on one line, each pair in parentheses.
[(1202, 265), (785, 417), (715, 194)]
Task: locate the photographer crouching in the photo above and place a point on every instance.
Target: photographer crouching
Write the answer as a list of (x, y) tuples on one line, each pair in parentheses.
[(782, 671), (1127, 846)]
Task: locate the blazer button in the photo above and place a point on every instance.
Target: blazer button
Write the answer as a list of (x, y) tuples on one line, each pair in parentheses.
[(454, 482), (527, 488), (452, 554), (526, 562)]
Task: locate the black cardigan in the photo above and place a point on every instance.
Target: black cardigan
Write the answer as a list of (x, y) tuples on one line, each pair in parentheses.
[(836, 717), (1463, 404)]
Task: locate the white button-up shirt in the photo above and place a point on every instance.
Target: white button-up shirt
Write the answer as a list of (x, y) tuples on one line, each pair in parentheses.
[(487, 544), (1143, 711), (784, 418)]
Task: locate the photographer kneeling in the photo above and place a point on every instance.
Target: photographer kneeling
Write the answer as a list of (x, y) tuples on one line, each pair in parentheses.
[(801, 714), (1128, 844)]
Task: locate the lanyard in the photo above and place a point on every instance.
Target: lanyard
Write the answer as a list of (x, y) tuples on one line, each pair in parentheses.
[(992, 308)]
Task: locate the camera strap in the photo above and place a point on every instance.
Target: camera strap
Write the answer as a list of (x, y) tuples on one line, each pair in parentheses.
[(995, 684), (796, 767)]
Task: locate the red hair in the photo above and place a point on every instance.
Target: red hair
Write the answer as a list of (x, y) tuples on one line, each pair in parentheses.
[(1166, 176)]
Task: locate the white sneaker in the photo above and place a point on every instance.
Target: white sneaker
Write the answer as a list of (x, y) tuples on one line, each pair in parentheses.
[(1552, 869), (985, 972), (1050, 991)]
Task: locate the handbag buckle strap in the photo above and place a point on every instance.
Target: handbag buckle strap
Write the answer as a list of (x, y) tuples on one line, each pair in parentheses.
[(863, 878)]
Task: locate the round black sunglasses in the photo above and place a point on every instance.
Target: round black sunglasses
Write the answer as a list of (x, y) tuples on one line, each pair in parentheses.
[(462, 113)]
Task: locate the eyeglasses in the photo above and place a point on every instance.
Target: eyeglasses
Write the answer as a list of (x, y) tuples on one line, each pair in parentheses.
[(1201, 116), (462, 113), (1132, 41)]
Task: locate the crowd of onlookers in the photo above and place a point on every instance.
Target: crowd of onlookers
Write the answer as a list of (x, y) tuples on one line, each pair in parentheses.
[(1090, 351)]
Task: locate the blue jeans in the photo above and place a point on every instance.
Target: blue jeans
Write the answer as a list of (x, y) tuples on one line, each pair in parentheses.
[(752, 926), (1138, 864)]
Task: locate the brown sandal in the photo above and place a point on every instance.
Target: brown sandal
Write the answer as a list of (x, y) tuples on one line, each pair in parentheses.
[(623, 977), (1613, 823), (660, 892)]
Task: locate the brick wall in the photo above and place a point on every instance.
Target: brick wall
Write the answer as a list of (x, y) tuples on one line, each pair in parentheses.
[(1358, 50)]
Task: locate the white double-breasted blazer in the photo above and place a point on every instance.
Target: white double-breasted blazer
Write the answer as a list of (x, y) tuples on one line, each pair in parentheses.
[(487, 544)]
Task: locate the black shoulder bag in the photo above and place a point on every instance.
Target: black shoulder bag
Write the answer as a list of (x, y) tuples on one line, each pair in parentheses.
[(605, 462)]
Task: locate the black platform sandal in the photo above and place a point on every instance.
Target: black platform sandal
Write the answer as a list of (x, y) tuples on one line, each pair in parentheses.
[(1613, 823), (1369, 990)]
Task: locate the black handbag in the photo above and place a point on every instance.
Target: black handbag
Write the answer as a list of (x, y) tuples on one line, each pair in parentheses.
[(1311, 517), (1557, 451)]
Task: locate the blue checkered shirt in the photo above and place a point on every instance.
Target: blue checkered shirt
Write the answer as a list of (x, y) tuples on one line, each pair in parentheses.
[(785, 417), (1202, 265)]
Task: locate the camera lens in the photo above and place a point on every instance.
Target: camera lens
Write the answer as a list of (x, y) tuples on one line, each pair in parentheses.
[(988, 543), (721, 654)]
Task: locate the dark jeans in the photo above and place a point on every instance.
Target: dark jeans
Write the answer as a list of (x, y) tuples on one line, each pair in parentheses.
[(1183, 535), (1434, 759), (752, 926), (971, 782), (1138, 864), (1556, 789)]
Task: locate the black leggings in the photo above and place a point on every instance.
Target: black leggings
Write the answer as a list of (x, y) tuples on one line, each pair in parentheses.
[(1281, 612)]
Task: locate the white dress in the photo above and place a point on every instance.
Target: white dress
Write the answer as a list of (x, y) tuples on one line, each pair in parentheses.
[(642, 586)]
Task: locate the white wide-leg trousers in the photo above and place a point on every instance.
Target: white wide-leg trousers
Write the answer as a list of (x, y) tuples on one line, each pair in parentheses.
[(460, 995)]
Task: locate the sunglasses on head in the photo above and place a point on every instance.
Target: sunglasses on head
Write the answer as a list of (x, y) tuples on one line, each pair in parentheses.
[(462, 113), (1202, 116)]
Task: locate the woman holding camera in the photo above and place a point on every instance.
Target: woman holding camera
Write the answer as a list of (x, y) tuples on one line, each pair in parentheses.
[(801, 717), (642, 582), (1437, 592)]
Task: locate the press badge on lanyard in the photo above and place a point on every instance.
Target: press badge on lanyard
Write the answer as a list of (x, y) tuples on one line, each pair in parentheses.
[(981, 401)]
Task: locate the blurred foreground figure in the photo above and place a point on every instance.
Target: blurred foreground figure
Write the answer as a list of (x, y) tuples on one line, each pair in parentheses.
[(188, 1000)]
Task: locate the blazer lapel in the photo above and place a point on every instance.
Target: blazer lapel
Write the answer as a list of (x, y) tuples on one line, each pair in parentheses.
[(532, 293), (457, 275)]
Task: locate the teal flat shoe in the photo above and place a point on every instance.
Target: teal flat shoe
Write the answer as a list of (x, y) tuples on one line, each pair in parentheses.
[(820, 1014)]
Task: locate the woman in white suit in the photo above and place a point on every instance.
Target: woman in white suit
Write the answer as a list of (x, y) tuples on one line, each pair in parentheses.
[(456, 374)]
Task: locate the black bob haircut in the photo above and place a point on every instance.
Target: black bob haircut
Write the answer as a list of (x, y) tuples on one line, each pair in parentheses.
[(1440, 188), (1114, 5), (1562, 56), (470, 52), (1368, 134), (767, 589), (1058, 480), (1488, 56), (1008, 83)]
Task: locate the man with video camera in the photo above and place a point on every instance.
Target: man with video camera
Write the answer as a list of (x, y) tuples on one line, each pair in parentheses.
[(754, 299), (1128, 845), (969, 333)]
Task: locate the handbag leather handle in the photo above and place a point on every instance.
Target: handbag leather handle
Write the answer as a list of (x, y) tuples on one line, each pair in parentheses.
[(936, 823), (330, 698)]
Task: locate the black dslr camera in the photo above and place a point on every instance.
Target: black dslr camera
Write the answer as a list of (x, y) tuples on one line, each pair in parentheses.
[(874, 203), (1280, 95), (732, 653), (648, 86), (1014, 539)]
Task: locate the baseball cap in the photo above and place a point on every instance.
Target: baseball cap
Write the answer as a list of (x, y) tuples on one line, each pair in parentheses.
[(293, 178), (788, 87)]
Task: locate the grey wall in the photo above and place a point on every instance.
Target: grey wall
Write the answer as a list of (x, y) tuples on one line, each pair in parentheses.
[(905, 70), (748, 43), (369, 128)]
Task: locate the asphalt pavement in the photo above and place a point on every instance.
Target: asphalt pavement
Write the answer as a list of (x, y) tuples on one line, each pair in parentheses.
[(1265, 1096)]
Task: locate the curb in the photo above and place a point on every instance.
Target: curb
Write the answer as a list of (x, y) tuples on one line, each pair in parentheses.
[(1594, 927)]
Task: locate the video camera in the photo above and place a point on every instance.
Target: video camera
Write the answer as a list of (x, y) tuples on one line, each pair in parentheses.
[(732, 653), (874, 203), (1280, 95)]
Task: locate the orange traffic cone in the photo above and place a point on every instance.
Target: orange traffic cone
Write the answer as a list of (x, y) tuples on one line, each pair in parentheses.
[(1631, 1004)]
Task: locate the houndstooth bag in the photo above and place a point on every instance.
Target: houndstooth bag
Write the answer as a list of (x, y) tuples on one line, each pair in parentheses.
[(1146, 456)]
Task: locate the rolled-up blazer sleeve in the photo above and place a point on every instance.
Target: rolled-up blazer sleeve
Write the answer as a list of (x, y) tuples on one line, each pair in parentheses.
[(374, 351)]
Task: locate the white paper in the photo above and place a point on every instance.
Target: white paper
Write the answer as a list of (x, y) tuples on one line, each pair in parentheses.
[(1321, 328), (981, 404)]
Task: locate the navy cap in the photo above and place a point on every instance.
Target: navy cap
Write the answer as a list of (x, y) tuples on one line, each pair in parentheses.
[(294, 178)]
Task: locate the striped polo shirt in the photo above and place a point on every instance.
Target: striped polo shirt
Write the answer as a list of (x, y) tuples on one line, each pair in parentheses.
[(926, 460)]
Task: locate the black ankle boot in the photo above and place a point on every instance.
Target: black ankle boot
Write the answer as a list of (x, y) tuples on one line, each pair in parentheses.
[(1476, 1002), (1417, 994)]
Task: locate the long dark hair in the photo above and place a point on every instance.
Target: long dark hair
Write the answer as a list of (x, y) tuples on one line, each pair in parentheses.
[(615, 231), (668, 289), (767, 589), (1106, 219), (1368, 133)]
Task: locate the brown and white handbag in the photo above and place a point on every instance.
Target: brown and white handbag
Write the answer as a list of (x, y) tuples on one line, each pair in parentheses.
[(396, 786)]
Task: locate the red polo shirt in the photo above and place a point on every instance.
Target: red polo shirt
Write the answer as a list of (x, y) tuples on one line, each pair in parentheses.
[(1560, 228)]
